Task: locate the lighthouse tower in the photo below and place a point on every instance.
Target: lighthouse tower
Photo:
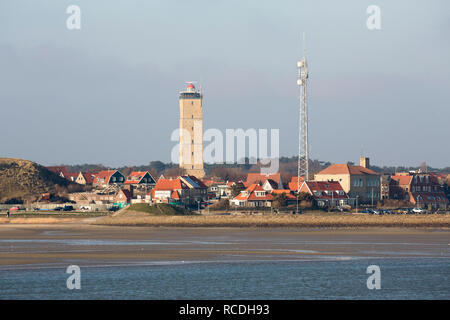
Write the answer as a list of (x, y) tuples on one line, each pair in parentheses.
[(191, 131)]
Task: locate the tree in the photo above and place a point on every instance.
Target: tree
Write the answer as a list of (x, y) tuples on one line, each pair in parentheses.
[(279, 200), (236, 189), (174, 172)]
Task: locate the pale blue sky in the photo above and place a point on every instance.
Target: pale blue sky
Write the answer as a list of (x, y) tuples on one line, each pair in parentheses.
[(108, 93)]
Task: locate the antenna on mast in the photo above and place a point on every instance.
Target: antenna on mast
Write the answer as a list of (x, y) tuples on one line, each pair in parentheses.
[(303, 148)]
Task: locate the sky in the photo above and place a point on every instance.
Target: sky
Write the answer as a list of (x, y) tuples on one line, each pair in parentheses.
[(108, 93)]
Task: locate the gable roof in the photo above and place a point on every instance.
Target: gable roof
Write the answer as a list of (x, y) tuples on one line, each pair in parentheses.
[(136, 177), (346, 169), (105, 174), (402, 180), (273, 184), (249, 194), (261, 177), (193, 182), (170, 184), (320, 189), (88, 176), (294, 184)]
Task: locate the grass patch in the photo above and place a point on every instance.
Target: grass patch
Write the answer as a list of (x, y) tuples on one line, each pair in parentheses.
[(158, 209)]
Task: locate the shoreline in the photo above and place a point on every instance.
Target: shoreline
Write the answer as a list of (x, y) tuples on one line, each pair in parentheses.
[(135, 219)]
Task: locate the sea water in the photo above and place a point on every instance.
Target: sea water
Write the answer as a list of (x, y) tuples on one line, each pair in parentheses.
[(401, 278)]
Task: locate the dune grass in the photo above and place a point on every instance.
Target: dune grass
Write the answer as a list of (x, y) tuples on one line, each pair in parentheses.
[(158, 209), (341, 221)]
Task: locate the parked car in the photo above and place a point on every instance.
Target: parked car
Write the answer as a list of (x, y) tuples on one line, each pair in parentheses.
[(58, 209), (419, 210), (68, 208), (113, 208)]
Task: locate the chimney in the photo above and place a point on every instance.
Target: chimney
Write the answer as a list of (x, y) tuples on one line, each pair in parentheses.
[(364, 162)]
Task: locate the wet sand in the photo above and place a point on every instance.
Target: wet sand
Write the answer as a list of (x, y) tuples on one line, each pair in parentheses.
[(27, 246)]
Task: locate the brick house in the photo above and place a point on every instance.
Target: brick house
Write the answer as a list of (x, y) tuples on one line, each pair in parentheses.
[(326, 193), (420, 189)]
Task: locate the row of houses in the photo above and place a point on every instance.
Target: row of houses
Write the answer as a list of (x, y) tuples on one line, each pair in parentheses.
[(105, 178), (336, 185)]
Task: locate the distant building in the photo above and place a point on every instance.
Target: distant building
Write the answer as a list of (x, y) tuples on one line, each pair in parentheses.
[(186, 189), (140, 178), (123, 197), (420, 189), (85, 178), (253, 196), (326, 193), (359, 182), (108, 177), (295, 183), (63, 172)]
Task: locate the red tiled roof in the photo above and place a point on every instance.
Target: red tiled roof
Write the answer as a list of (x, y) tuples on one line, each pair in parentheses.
[(175, 195), (170, 184), (260, 178), (402, 180), (346, 169), (294, 184), (249, 194), (322, 187), (106, 174), (89, 176), (138, 174)]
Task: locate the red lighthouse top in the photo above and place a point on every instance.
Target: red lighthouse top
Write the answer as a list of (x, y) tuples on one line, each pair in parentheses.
[(191, 86)]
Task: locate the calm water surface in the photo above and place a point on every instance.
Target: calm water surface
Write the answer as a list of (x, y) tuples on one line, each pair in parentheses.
[(401, 278)]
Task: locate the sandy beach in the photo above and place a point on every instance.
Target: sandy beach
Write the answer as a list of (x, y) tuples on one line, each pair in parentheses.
[(85, 244)]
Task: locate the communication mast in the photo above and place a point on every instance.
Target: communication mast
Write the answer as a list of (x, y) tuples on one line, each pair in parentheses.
[(303, 148)]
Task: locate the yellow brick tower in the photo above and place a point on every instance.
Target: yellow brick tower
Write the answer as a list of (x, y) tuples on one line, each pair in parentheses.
[(191, 131)]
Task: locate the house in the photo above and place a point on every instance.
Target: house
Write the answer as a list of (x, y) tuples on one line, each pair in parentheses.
[(168, 190), (63, 172), (295, 183), (108, 177), (253, 196), (326, 193), (140, 178), (85, 178), (269, 185), (186, 189), (260, 178), (197, 190), (359, 182), (123, 197), (420, 189)]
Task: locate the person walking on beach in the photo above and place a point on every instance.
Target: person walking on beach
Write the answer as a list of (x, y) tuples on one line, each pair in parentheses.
[(8, 213)]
